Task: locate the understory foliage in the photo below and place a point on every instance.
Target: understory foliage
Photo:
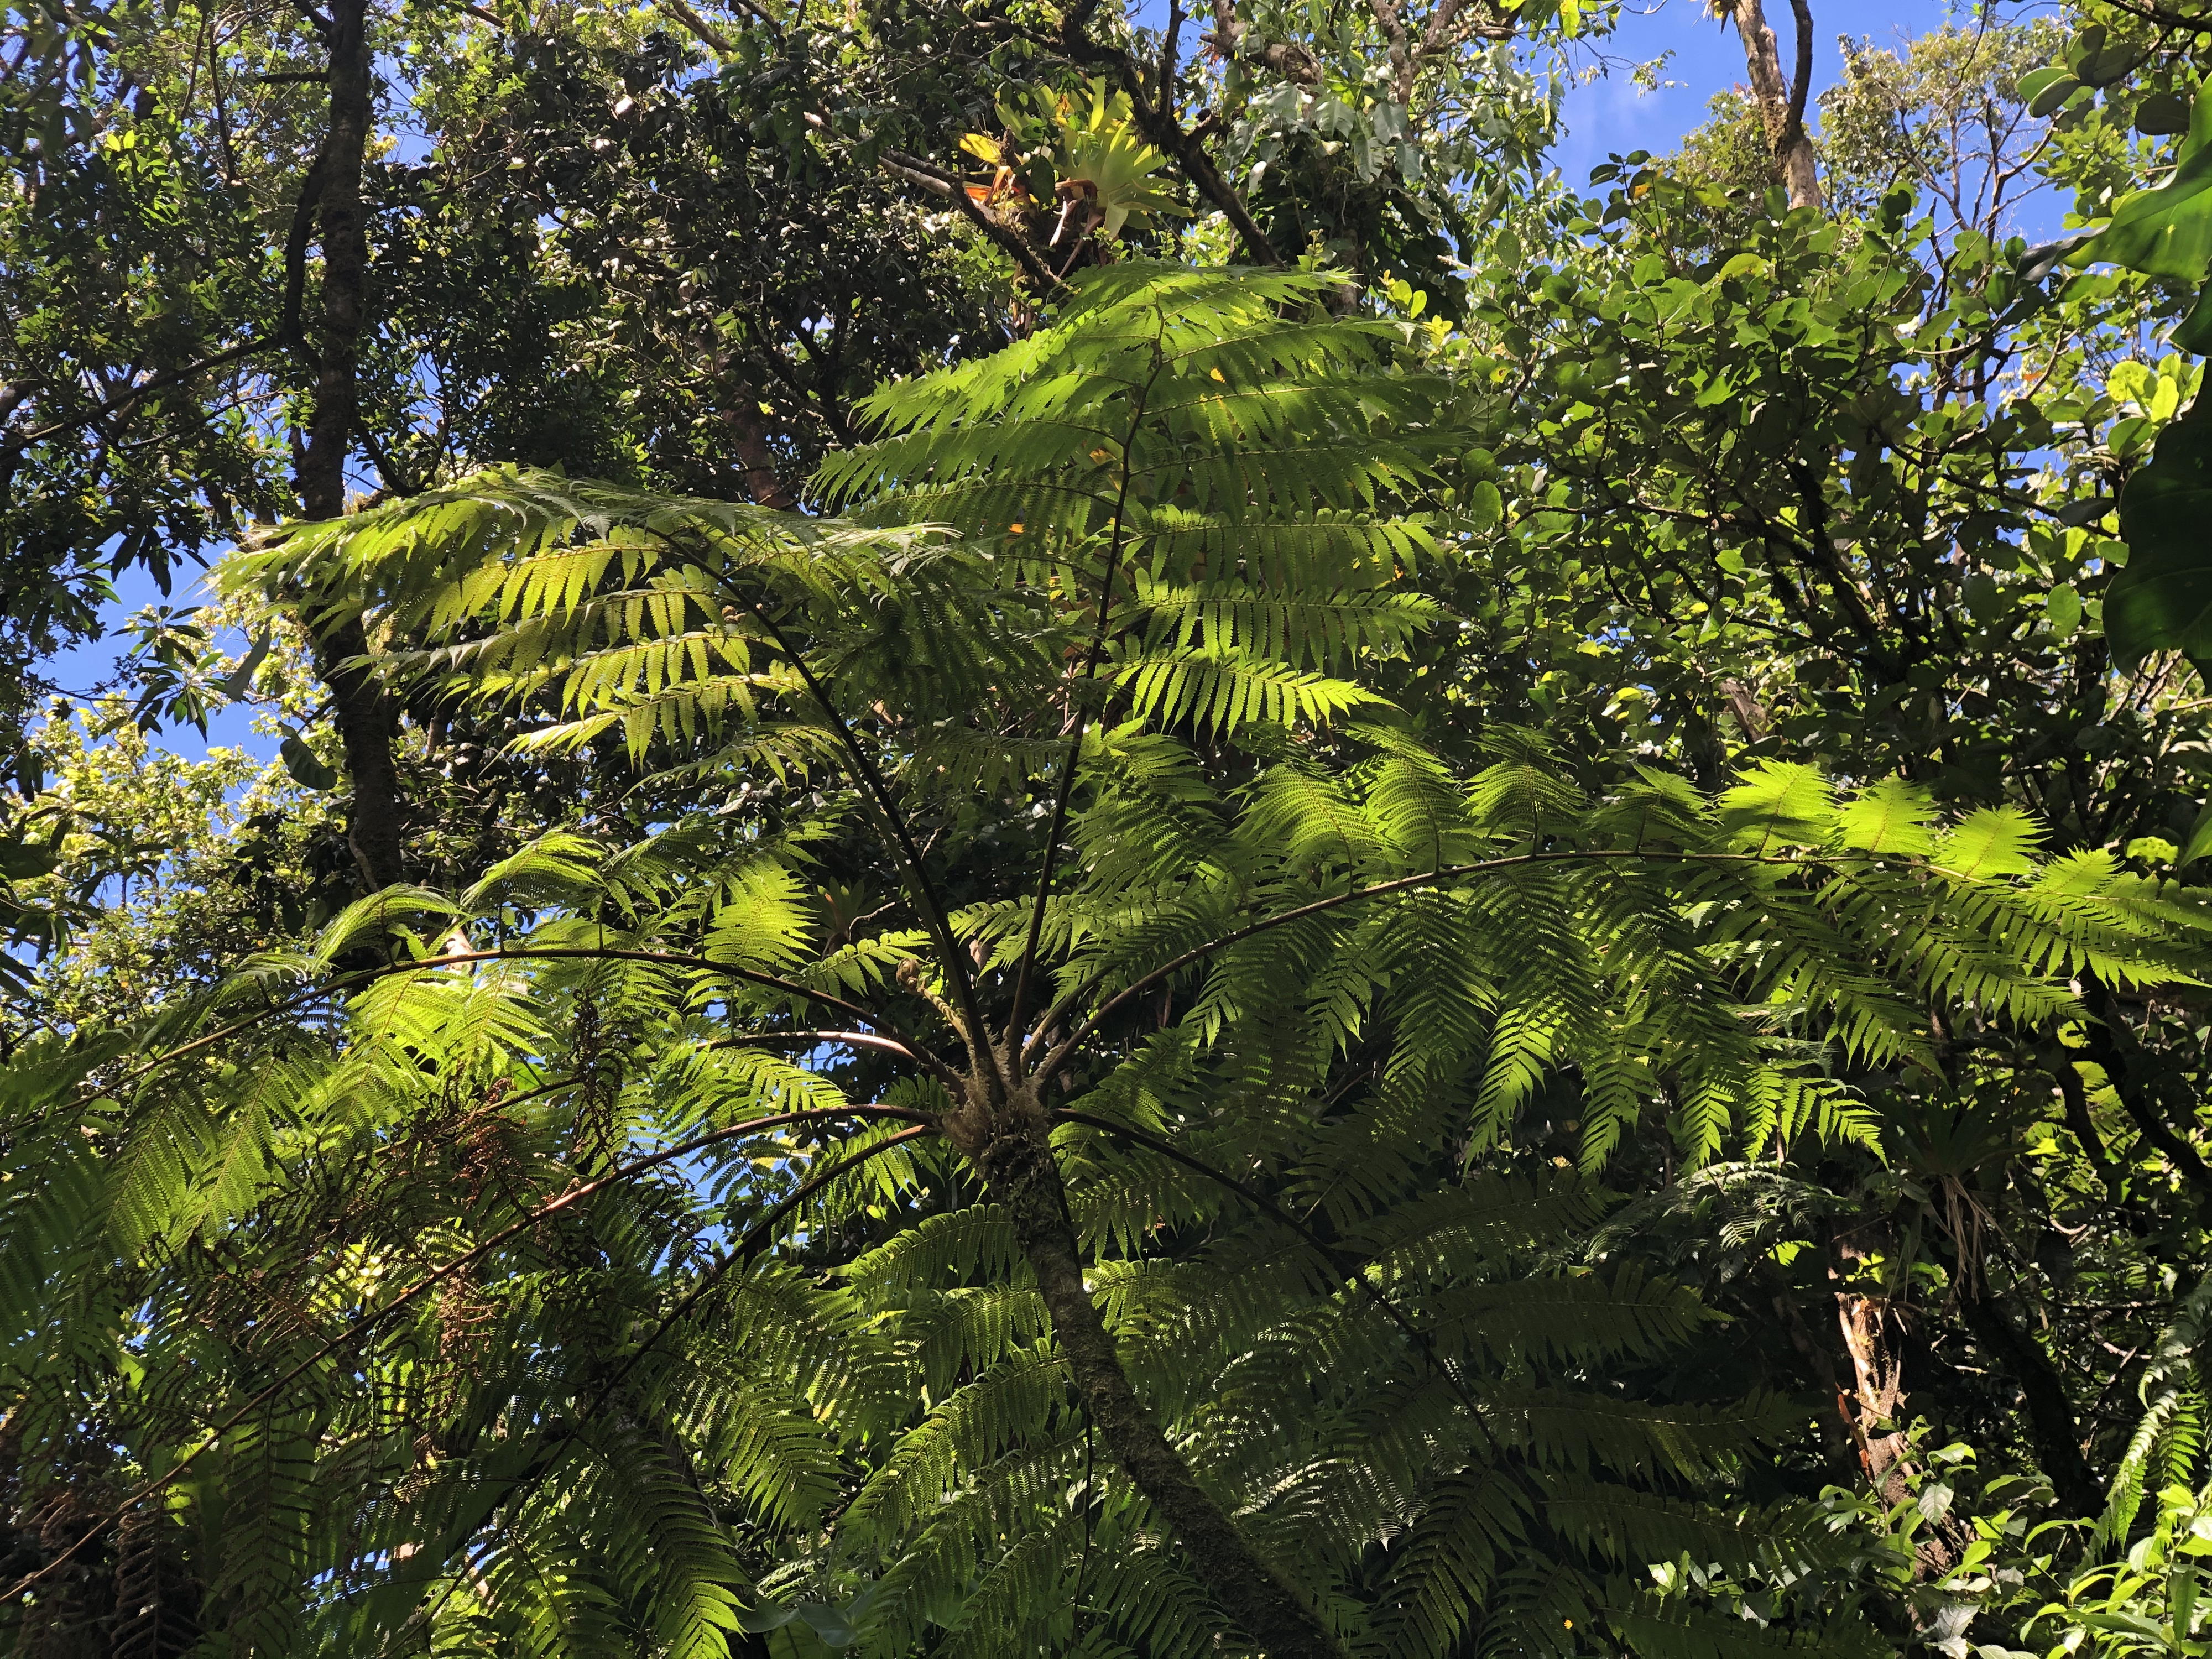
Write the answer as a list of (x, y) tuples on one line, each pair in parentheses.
[(618, 1255)]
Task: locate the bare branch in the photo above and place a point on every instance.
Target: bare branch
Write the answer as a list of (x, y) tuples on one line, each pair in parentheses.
[(699, 25), (1170, 65), (1801, 85), (123, 400), (1795, 165), (1439, 35), (1286, 60)]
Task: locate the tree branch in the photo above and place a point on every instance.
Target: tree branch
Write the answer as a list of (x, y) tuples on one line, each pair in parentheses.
[(1792, 152), (1801, 84), (1286, 58), (2172, 20), (1170, 65), (1393, 25), (1169, 134), (699, 25), (810, 1039), (365, 716), (289, 325), (125, 399), (2053, 1428), (1437, 35), (915, 171), (1012, 1149), (2136, 1080)]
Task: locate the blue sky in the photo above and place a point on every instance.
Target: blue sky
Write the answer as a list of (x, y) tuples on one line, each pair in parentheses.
[(1612, 114)]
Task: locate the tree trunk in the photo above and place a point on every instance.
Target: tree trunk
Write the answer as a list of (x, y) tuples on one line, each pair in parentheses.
[(1017, 1160), (1782, 103), (2049, 1413), (364, 718), (755, 459)]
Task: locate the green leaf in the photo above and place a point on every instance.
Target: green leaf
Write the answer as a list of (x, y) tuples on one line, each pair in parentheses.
[(2194, 332), (759, 1621), (1995, 841), (2200, 840), (307, 770), (1891, 817), (2162, 600), (2055, 86), (2162, 113), (828, 1623), (2167, 232), (2064, 609), (23, 861), (2112, 64), (1778, 801)]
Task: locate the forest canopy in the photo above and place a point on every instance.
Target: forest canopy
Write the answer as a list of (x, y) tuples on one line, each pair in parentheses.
[(1074, 833)]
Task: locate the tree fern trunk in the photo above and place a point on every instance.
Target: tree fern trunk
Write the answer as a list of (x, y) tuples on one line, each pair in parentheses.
[(1016, 1159)]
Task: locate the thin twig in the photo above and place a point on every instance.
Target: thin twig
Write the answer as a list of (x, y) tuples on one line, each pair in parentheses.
[(123, 400)]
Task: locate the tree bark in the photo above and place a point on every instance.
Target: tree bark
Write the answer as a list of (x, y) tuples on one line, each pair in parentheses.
[(755, 458), (1782, 103), (2049, 1413), (1016, 1160), (364, 717)]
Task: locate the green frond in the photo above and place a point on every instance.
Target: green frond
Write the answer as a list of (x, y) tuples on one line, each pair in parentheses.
[(1624, 1526), (1690, 1443), (1570, 1318), (952, 1248), (1018, 1399), (1220, 689)]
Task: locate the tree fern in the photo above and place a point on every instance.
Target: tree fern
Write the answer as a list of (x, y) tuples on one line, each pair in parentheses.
[(1134, 1239)]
